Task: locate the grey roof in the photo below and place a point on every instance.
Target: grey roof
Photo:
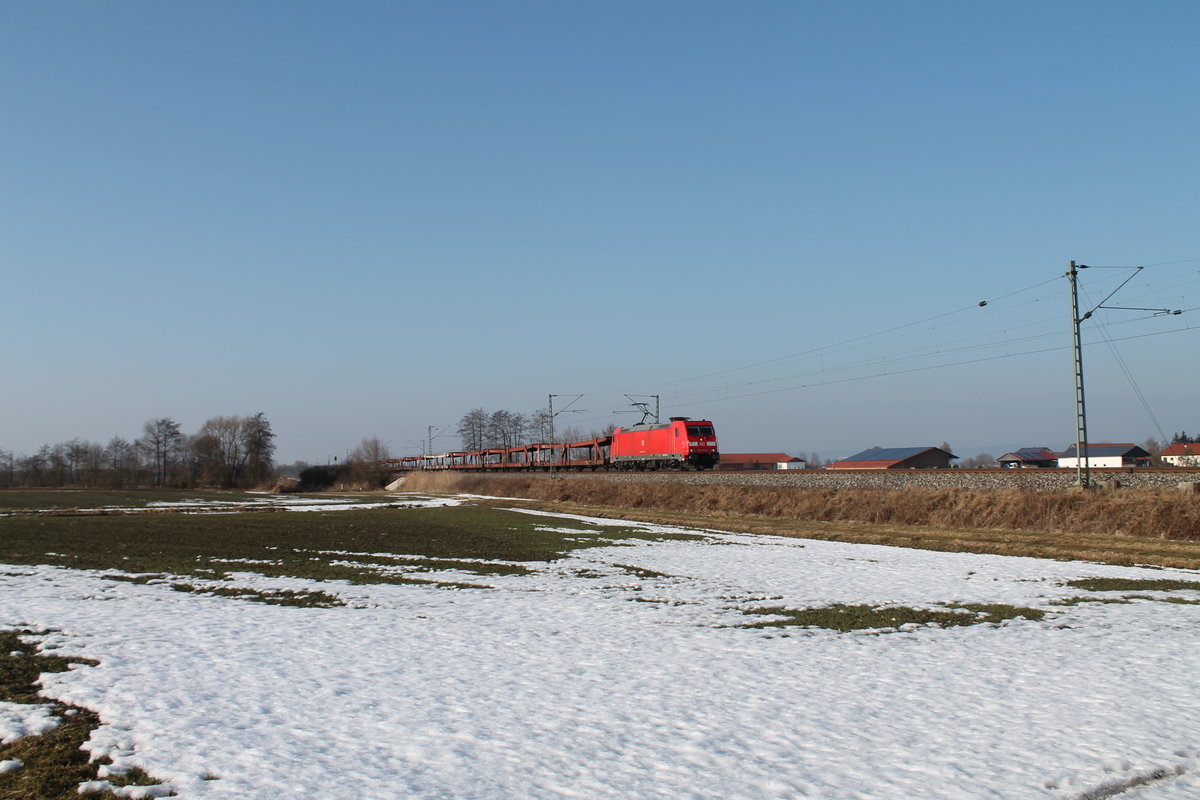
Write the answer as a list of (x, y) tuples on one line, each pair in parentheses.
[(1106, 451), (892, 453), (1032, 454)]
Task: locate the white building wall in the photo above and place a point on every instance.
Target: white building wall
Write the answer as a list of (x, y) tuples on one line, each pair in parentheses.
[(1094, 462), (1182, 461)]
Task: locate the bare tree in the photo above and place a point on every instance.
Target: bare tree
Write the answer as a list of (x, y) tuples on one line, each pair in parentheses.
[(233, 451), (217, 451), (981, 461), (162, 443), (56, 464), (206, 463), (92, 461), (34, 469), (370, 451), (362, 470), (473, 429), (120, 460), (258, 445), (72, 454), (497, 430), (538, 427), (506, 429)]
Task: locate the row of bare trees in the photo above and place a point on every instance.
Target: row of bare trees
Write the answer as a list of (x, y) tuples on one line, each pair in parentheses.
[(481, 430), (227, 452)]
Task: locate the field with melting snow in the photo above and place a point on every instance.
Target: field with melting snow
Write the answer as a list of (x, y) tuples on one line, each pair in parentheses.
[(651, 666)]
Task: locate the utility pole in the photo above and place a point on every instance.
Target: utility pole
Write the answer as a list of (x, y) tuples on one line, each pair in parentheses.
[(431, 433), (553, 446), (645, 407), (1082, 462)]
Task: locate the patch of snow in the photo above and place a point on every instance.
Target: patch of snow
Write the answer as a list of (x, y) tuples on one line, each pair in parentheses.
[(282, 503), (549, 529), (18, 720), (133, 792)]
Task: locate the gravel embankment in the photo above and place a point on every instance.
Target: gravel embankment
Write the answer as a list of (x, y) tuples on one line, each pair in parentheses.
[(1037, 480)]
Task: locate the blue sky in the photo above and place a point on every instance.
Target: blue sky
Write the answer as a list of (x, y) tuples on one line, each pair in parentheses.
[(368, 218)]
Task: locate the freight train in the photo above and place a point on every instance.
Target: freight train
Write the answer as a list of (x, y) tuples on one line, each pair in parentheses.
[(681, 443)]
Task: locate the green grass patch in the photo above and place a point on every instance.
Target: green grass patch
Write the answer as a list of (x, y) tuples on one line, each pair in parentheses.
[(443, 584), (53, 763), (1079, 600), (476, 538), (142, 579), (276, 597), (1125, 598), (648, 574), (846, 618), (33, 499), (1132, 585)]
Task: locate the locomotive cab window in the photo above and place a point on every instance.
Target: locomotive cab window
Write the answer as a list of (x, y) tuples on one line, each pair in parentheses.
[(700, 430)]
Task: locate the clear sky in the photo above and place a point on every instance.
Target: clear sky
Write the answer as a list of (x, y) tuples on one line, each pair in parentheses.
[(368, 218)]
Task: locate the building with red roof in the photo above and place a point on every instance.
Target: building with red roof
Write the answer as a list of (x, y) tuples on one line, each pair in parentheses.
[(1181, 454), (1029, 458), (744, 461)]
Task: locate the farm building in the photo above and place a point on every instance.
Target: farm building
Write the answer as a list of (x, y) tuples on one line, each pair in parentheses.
[(1106, 455), (897, 458), (1182, 454), (744, 461), (1029, 458)]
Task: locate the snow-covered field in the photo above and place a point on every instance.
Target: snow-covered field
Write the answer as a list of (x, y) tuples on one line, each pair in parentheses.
[(624, 672), (273, 502)]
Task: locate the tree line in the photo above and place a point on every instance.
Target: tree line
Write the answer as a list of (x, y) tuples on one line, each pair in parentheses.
[(483, 430), (227, 452)]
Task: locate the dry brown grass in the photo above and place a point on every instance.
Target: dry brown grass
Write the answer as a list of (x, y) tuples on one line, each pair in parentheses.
[(1129, 526)]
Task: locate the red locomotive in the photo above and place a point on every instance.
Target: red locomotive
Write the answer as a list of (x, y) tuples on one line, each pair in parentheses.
[(681, 443)]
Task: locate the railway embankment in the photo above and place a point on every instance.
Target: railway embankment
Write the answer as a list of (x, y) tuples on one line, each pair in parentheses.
[(1036, 480), (1035, 515)]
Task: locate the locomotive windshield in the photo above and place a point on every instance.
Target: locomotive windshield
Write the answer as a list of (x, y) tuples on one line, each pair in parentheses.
[(700, 430)]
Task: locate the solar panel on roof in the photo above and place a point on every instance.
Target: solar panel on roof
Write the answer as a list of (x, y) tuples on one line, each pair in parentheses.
[(1100, 450), (888, 454)]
